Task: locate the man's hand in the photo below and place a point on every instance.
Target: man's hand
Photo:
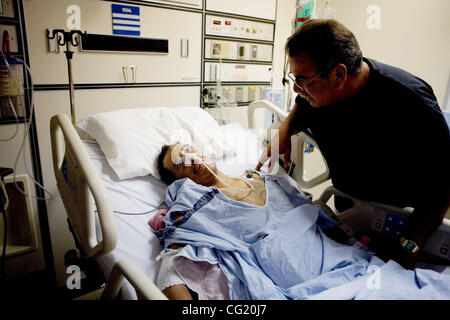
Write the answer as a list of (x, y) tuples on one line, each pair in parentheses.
[(406, 259), (280, 144), (283, 139)]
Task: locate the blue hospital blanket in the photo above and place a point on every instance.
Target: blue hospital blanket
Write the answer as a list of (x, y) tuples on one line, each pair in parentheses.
[(279, 251)]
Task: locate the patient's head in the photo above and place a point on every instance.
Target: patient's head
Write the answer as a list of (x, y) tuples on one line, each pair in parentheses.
[(174, 165)]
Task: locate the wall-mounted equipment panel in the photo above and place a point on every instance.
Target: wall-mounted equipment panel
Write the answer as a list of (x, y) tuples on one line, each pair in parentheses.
[(180, 64), (197, 4), (13, 80), (233, 50), (264, 9), (234, 93), (239, 28), (228, 72), (101, 42), (238, 42)]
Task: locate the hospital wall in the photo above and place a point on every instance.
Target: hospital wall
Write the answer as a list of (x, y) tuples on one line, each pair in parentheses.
[(409, 34), (162, 80)]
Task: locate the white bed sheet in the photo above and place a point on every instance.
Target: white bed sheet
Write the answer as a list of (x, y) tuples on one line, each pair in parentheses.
[(135, 201)]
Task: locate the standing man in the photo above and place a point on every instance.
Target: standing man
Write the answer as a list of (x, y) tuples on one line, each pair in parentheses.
[(379, 128)]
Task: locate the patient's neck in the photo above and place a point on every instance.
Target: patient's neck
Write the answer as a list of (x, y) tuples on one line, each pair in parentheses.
[(231, 181)]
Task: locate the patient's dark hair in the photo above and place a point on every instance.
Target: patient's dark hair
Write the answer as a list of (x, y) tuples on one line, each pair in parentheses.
[(166, 176)]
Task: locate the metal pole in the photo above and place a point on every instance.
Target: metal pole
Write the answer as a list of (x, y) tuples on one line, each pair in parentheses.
[(67, 38), (69, 55)]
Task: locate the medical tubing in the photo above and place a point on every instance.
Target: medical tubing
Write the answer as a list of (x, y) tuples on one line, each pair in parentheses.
[(134, 213), (290, 167), (195, 157), (26, 132), (5, 238), (3, 208), (159, 207), (11, 105), (23, 144)]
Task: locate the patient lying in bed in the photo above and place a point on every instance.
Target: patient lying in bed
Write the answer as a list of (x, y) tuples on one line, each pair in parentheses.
[(259, 237), (172, 166)]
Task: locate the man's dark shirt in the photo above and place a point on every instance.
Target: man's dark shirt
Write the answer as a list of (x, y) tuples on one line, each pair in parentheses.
[(389, 143)]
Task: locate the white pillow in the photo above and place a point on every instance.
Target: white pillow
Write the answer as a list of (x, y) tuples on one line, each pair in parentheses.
[(131, 139)]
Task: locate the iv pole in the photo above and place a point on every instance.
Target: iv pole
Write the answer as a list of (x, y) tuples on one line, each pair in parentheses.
[(69, 39)]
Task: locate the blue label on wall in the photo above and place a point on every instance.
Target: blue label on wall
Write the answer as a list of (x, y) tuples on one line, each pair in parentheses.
[(126, 20)]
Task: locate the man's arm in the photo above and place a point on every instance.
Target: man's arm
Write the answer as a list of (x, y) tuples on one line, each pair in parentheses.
[(422, 223), (286, 130), (291, 123)]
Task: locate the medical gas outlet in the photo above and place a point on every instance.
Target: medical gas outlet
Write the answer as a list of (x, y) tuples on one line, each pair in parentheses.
[(234, 50), (232, 27), (237, 72), (233, 94)]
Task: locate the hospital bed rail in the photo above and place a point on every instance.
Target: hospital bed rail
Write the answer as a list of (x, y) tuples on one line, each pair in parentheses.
[(125, 269), (145, 289), (80, 185), (365, 217), (279, 114)]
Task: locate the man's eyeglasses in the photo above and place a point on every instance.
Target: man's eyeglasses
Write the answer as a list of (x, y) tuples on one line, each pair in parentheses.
[(300, 83)]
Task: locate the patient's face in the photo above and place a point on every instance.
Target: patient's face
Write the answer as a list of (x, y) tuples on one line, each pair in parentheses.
[(175, 162)]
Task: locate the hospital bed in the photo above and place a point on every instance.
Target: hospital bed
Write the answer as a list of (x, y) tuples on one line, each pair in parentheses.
[(109, 217)]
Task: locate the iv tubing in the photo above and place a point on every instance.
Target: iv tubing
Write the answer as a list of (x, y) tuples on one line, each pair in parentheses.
[(193, 156)]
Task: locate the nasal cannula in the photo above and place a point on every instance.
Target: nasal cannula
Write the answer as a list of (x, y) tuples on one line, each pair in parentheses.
[(187, 160)]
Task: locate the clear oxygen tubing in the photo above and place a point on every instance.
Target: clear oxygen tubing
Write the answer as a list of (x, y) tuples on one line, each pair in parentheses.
[(187, 159), (290, 167), (26, 133), (16, 129)]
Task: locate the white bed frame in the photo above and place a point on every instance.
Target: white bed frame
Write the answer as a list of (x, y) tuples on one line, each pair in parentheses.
[(80, 185), (82, 192)]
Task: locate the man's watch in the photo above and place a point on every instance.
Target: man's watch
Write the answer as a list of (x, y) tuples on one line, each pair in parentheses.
[(409, 245)]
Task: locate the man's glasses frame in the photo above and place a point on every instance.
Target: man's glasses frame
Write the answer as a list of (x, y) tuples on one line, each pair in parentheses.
[(297, 81)]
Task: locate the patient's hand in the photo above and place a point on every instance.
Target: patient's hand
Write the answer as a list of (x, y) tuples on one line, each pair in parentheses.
[(157, 222)]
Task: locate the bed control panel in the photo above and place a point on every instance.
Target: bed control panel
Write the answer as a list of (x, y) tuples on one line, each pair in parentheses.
[(439, 243)]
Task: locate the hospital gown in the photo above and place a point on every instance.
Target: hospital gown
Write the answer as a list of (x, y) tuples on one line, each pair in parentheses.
[(279, 251)]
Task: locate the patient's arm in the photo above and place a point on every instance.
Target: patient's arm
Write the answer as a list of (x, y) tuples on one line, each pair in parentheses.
[(177, 292)]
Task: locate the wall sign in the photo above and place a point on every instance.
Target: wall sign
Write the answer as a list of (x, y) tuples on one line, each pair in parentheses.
[(126, 20)]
